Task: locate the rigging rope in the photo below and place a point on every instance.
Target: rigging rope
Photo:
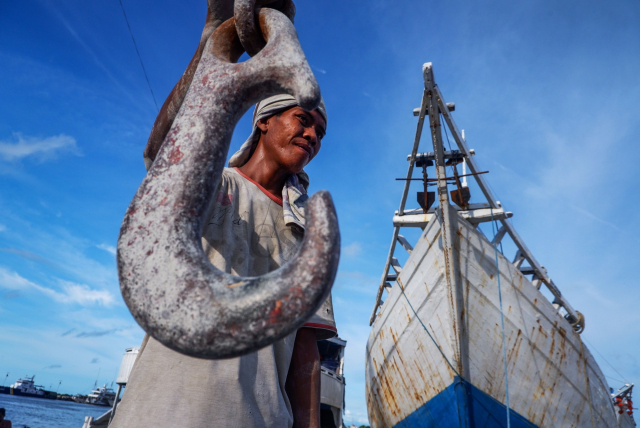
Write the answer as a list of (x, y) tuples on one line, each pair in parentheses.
[(504, 346), (448, 142), (605, 360), (427, 330), (138, 52)]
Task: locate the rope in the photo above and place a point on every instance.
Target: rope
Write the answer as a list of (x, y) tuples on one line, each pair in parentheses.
[(138, 52), (605, 360), (504, 346), (427, 330), (613, 378), (434, 342), (447, 135)]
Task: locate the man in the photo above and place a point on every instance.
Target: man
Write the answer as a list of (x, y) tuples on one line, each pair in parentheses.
[(255, 225)]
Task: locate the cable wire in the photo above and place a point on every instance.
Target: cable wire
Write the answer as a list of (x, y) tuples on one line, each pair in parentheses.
[(427, 330), (613, 378), (139, 57), (605, 360), (448, 142), (504, 346)]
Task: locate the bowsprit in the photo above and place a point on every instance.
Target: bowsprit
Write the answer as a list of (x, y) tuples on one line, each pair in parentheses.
[(172, 290)]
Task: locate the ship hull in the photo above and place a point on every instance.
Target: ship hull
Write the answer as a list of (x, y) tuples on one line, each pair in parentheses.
[(49, 395), (104, 403), (457, 374), (462, 404)]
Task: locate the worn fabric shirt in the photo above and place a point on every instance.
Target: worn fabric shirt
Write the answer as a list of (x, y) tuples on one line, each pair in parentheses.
[(246, 235)]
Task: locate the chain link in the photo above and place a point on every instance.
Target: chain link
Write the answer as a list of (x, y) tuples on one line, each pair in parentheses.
[(246, 14)]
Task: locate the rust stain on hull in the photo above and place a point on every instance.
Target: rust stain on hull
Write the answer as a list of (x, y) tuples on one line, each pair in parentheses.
[(546, 368)]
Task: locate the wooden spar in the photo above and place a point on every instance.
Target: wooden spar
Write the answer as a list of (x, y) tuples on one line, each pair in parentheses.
[(573, 316), (405, 244), (455, 294), (474, 217), (498, 238), (405, 192)]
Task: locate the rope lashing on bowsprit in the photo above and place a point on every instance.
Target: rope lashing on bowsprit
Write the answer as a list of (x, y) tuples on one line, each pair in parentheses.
[(504, 346)]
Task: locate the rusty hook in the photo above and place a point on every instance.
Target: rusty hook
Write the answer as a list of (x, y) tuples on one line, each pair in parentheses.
[(169, 285)]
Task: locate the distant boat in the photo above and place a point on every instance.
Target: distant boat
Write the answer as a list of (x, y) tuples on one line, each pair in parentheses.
[(465, 337), (27, 388), (331, 382), (101, 396)]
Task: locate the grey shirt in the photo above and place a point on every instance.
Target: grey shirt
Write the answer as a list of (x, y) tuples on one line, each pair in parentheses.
[(246, 235)]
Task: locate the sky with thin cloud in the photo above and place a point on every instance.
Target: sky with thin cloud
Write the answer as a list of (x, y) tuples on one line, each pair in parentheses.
[(546, 91)]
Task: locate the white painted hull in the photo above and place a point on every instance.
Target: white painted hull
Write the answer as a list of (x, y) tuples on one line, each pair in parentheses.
[(554, 380)]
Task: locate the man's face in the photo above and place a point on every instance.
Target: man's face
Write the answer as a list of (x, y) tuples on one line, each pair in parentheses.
[(292, 138)]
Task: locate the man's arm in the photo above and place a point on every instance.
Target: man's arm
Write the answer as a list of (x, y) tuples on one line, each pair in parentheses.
[(303, 380)]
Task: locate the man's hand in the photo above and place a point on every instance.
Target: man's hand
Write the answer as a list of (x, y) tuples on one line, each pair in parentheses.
[(303, 380)]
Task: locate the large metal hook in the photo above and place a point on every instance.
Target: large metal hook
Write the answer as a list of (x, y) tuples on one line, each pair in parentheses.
[(169, 285), (218, 11)]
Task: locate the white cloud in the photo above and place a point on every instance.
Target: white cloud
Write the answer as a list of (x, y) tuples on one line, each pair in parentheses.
[(354, 418), (20, 147), (352, 250), (64, 250), (82, 294), (72, 293), (319, 70), (13, 281), (108, 248)]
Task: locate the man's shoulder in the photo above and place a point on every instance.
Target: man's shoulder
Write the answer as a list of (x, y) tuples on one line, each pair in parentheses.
[(235, 182), (230, 174), (232, 182)]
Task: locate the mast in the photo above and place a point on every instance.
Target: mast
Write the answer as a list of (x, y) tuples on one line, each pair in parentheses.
[(459, 334), (434, 104)]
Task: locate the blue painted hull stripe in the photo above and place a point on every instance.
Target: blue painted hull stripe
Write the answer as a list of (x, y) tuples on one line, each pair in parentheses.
[(463, 405)]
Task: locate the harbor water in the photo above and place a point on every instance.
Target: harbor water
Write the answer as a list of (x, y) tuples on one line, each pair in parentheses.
[(42, 413)]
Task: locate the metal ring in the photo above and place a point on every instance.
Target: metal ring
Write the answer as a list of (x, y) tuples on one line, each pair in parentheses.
[(245, 13)]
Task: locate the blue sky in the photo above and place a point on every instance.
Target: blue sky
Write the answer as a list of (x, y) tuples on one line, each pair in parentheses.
[(547, 92)]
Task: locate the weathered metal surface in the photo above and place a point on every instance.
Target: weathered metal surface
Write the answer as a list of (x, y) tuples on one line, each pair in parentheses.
[(554, 380), (218, 11), (168, 283), (244, 11)]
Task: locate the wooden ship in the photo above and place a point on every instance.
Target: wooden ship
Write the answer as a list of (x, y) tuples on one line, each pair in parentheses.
[(464, 336)]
